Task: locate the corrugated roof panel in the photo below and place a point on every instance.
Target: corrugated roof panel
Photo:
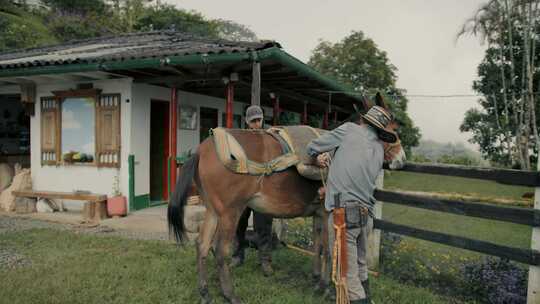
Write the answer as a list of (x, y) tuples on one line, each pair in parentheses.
[(127, 46)]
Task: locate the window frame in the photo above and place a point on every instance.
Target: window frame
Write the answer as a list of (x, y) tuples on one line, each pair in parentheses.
[(59, 97)]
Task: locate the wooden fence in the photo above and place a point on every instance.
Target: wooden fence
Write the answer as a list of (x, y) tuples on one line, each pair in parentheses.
[(523, 216)]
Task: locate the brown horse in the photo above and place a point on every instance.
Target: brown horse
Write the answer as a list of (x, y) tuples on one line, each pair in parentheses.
[(226, 194)]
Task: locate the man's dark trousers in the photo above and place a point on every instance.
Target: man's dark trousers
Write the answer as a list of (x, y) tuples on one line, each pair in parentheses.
[(263, 228)]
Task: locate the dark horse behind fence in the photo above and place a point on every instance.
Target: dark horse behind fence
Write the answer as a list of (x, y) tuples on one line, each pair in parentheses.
[(226, 194)]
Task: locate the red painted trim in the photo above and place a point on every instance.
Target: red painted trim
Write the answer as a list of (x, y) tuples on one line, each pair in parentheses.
[(325, 120), (304, 115), (229, 106), (173, 110), (275, 101)]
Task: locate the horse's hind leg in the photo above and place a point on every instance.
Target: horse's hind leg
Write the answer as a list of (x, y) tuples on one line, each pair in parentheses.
[(204, 243), (225, 235)]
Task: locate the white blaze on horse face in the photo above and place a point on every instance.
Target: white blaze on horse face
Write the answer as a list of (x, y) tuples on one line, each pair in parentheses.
[(398, 161)]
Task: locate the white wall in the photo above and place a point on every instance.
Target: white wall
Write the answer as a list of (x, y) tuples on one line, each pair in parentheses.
[(90, 178), (135, 132), (140, 145), (189, 139)]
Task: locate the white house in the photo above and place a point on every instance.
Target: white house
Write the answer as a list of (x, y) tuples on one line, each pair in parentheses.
[(112, 114)]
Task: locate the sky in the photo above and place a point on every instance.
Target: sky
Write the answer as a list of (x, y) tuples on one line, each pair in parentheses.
[(419, 37)]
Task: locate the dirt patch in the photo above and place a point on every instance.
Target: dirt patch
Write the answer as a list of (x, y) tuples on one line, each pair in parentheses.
[(10, 259)]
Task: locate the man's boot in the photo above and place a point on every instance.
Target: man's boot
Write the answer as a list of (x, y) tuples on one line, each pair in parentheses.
[(238, 258), (361, 301), (266, 265), (365, 285)]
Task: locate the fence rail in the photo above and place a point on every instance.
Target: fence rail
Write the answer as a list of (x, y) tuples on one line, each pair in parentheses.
[(503, 176), (523, 216), (526, 256)]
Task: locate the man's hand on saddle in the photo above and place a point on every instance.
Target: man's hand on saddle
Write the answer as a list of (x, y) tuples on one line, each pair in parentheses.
[(323, 160)]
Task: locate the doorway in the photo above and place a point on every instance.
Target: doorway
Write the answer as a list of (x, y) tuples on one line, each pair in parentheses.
[(209, 120), (159, 151), (14, 131)]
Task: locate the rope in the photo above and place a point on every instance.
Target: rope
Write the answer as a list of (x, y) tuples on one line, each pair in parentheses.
[(339, 259), (339, 254)]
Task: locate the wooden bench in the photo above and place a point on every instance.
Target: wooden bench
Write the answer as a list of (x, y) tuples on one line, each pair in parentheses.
[(95, 207)]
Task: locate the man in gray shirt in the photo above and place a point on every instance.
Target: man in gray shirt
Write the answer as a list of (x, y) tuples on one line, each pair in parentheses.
[(357, 161)]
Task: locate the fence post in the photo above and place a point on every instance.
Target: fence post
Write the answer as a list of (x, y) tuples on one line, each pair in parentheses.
[(533, 295), (374, 241)]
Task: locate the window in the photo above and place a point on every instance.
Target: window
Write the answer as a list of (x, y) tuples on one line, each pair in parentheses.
[(78, 130), (81, 127)]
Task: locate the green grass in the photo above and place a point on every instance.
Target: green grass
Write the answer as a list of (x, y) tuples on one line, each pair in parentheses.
[(478, 189), (74, 268)]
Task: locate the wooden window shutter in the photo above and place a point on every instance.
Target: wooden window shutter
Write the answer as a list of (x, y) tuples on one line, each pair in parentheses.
[(108, 130), (50, 131)]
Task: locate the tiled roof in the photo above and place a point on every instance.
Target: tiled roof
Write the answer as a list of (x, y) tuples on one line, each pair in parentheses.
[(125, 47)]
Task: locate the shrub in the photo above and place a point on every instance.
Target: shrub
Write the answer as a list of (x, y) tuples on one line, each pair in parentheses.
[(495, 281)]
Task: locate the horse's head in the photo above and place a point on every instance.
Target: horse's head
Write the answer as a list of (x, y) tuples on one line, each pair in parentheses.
[(394, 153)]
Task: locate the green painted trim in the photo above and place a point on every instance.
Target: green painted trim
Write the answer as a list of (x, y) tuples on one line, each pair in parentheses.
[(142, 201), (305, 70), (275, 53), (131, 174), (158, 203)]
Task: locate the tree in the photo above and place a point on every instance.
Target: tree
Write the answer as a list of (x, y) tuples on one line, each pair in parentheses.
[(509, 27), (359, 63), (21, 29), (231, 30), (356, 60), (168, 17), (80, 19)]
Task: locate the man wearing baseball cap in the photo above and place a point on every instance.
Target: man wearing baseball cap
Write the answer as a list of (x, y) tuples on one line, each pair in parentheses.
[(357, 161), (262, 222)]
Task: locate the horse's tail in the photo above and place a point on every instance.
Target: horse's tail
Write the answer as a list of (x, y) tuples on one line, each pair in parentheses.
[(175, 211)]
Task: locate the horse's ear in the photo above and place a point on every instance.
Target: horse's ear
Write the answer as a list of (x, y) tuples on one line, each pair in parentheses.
[(380, 101)]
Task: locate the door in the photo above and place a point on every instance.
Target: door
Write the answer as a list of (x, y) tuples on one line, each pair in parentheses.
[(209, 120), (159, 151)]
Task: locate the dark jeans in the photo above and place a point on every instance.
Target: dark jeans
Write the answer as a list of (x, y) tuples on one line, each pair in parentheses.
[(263, 230)]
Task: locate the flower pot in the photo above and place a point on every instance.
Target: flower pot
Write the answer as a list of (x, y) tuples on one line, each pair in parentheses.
[(116, 206)]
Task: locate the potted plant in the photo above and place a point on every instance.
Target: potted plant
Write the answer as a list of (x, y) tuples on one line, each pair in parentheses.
[(116, 205)]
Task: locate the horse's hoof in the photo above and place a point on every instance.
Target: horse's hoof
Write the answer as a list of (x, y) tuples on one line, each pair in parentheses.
[(205, 296), (235, 300), (318, 289)]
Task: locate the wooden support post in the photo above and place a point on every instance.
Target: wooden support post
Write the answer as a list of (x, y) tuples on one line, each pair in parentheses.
[(275, 101), (374, 240), (173, 109), (229, 106), (325, 120), (533, 294), (335, 117), (256, 84), (304, 114)]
